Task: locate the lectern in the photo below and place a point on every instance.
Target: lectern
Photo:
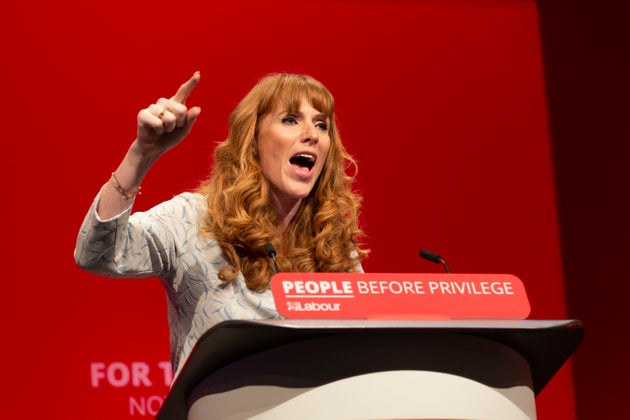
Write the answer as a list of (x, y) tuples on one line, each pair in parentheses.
[(370, 369)]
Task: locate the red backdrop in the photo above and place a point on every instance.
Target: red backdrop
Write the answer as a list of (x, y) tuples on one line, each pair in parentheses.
[(441, 102)]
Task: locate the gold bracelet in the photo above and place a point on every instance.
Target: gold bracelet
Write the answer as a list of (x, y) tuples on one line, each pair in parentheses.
[(127, 193)]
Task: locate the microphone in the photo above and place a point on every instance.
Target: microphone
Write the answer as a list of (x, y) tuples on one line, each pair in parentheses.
[(270, 251), (434, 258)]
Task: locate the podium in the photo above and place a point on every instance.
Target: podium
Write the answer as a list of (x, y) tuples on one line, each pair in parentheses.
[(370, 369)]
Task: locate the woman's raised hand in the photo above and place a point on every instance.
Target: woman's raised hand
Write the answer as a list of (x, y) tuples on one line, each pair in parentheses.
[(164, 124)]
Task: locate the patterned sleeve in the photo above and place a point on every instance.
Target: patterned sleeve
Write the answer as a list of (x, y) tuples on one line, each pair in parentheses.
[(142, 244)]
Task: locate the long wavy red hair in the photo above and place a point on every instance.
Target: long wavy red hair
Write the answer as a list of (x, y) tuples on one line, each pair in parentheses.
[(323, 236)]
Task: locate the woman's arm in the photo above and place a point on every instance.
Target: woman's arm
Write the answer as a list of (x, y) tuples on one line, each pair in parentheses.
[(161, 126)]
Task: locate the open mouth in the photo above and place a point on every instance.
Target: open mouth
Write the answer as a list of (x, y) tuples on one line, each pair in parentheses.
[(303, 160)]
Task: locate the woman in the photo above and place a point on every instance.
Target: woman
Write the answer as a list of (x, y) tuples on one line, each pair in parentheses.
[(279, 182)]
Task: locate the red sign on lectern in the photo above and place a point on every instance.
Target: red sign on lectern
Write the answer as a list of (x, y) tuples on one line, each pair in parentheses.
[(399, 296)]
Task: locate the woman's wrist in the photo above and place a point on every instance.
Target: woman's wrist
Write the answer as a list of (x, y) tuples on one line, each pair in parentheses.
[(127, 193)]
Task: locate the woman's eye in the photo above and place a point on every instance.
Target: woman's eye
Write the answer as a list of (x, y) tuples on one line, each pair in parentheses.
[(322, 126), (289, 119)]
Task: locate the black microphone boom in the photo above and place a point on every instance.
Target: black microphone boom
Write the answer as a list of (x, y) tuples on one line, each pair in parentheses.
[(271, 253), (434, 258)]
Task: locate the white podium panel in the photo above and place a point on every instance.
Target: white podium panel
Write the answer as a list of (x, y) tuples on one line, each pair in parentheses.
[(453, 377), (296, 369), (383, 396)]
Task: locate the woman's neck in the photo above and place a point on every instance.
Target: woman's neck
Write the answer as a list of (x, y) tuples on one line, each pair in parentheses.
[(286, 210)]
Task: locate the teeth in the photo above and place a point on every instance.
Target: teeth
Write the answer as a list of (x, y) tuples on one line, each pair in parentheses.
[(303, 159), (306, 156)]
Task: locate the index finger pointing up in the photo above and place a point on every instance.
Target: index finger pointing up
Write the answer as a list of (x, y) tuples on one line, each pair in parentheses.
[(186, 88)]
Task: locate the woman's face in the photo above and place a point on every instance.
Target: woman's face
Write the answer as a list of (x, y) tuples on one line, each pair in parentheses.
[(293, 147)]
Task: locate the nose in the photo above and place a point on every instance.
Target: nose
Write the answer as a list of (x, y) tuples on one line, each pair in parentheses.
[(311, 134)]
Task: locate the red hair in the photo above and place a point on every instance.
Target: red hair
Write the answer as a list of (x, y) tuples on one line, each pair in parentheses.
[(324, 234)]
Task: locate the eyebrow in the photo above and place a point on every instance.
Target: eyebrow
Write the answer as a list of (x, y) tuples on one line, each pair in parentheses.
[(318, 116)]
